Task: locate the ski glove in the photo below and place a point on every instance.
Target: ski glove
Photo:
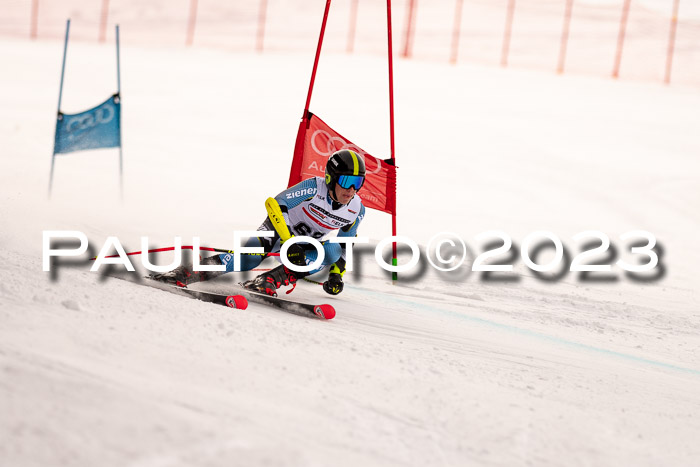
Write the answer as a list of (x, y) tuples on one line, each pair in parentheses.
[(296, 255), (334, 284)]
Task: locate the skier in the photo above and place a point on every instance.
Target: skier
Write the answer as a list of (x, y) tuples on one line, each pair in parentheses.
[(313, 208)]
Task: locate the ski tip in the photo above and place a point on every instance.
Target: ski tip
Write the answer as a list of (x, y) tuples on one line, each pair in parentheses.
[(238, 302), (325, 311)]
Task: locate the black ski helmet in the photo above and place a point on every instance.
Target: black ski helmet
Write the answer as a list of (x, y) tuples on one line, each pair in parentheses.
[(347, 164)]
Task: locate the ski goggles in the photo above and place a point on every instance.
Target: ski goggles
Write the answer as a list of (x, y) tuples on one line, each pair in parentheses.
[(347, 181)]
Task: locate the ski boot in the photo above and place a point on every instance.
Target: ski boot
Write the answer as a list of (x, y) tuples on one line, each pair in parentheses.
[(269, 282), (183, 275)]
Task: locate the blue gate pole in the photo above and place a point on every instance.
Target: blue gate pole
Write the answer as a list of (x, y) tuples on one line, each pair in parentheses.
[(119, 93), (60, 95)]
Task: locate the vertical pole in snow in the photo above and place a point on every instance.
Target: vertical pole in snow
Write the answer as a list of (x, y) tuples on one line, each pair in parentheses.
[(408, 39), (394, 260), (191, 23), (507, 32), (63, 67), (455, 32), (119, 93), (261, 25), (33, 26), (671, 41), (621, 38), (119, 81), (60, 95), (352, 26), (103, 20), (565, 36)]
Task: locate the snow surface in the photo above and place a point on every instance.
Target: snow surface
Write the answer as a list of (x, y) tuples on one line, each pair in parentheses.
[(436, 370)]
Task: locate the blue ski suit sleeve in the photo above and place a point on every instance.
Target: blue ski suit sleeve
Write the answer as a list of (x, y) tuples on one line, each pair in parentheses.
[(288, 202), (350, 231)]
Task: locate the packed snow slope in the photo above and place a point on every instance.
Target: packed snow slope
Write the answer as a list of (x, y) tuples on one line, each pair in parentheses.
[(440, 369)]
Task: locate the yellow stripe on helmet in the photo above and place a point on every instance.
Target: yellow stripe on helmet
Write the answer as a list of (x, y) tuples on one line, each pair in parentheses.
[(355, 163)]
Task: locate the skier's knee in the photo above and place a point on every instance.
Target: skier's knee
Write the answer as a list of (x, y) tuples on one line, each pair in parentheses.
[(248, 262)]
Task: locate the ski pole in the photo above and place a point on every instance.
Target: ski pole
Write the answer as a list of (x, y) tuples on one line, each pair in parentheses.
[(188, 247), (312, 281)]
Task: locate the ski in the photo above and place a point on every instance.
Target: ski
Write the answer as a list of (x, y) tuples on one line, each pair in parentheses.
[(237, 301), (241, 296), (324, 311)]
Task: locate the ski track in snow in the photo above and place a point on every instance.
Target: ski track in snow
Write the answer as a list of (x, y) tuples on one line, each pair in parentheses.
[(393, 380)]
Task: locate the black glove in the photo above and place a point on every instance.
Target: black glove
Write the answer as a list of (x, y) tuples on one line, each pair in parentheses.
[(334, 284), (296, 255)]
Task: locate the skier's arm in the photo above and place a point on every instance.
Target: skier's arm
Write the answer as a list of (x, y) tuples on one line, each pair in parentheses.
[(278, 207), (334, 284), (347, 231), (274, 212)]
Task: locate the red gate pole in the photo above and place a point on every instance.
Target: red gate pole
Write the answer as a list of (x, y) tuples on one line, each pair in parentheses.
[(351, 28), (394, 260), (507, 32), (408, 39), (299, 143), (103, 20), (261, 25), (455, 31), (671, 41), (318, 55), (565, 36), (191, 23), (621, 38), (33, 25)]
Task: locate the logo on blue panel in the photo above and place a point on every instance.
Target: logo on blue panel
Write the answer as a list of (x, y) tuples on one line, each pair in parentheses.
[(96, 128)]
